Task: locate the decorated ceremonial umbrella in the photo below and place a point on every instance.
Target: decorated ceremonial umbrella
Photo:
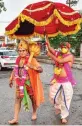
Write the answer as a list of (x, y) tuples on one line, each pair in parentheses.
[(38, 18)]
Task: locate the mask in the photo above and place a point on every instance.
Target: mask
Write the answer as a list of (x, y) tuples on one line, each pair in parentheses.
[(64, 50)]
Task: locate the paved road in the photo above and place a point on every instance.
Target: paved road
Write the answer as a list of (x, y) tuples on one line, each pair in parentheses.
[(46, 115)]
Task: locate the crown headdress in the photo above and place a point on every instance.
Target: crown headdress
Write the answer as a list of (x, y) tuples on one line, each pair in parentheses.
[(22, 45)]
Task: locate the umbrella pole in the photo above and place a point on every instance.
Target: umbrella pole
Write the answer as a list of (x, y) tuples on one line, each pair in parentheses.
[(46, 47)]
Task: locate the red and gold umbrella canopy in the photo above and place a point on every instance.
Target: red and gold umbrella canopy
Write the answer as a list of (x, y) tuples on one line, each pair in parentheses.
[(38, 18)]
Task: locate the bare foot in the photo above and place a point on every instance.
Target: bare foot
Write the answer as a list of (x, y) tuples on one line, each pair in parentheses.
[(64, 121), (57, 111), (34, 117), (13, 121)]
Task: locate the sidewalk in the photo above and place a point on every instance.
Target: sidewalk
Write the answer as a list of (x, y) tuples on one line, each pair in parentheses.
[(77, 63)]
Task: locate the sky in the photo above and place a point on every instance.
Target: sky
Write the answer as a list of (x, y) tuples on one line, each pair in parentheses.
[(14, 7)]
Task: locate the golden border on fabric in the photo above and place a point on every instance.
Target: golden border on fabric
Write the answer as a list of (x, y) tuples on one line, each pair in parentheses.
[(77, 28), (46, 22), (65, 22), (70, 13), (36, 23), (38, 9), (14, 29), (23, 17)]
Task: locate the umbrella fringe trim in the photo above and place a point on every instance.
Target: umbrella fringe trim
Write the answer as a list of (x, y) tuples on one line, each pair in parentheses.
[(77, 28), (23, 17), (46, 22), (36, 23), (65, 22), (14, 29)]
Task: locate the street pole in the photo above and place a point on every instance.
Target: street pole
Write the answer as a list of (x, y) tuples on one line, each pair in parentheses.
[(69, 3)]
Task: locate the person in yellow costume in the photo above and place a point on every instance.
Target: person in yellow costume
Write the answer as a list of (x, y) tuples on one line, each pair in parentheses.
[(27, 82)]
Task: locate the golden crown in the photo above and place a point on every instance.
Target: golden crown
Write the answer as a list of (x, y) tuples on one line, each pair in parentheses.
[(22, 45)]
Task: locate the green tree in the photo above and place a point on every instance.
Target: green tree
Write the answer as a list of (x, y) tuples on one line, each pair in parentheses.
[(72, 2), (2, 6), (75, 40)]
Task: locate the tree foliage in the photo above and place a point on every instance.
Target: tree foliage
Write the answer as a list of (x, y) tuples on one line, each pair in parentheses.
[(2, 6), (75, 40), (72, 2)]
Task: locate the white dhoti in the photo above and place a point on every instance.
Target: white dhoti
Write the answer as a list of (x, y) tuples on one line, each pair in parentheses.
[(61, 94)]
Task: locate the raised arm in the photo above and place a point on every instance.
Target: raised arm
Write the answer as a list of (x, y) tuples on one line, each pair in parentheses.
[(52, 50), (62, 60)]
